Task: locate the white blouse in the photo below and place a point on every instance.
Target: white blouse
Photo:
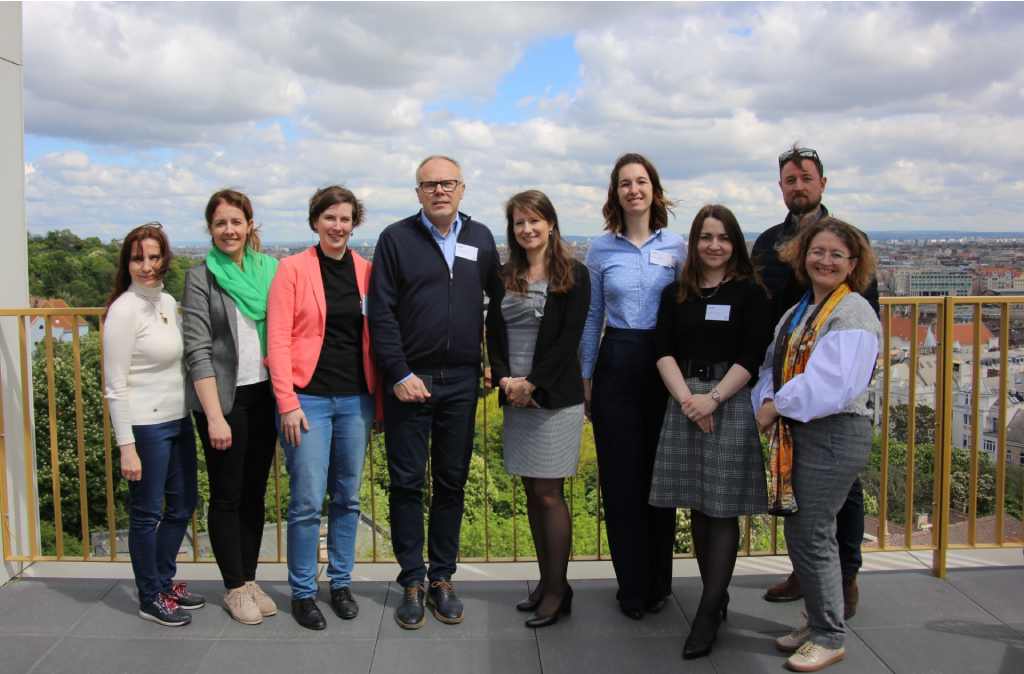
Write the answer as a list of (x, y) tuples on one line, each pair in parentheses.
[(142, 368), (251, 369)]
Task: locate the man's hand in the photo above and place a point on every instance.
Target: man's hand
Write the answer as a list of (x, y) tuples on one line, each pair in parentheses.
[(412, 390)]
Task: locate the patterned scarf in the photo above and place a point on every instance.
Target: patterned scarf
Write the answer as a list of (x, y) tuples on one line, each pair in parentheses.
[(792, 351)]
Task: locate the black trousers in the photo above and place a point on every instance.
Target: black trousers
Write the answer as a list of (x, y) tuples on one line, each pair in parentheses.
[(442, 428), (627, 406), (850, 530), (238, 482)]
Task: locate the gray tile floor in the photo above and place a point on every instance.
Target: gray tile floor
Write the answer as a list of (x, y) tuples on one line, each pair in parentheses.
[(908, 622)]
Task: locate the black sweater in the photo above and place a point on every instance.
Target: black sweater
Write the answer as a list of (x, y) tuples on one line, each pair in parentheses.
[(421, 317), (556, 364)]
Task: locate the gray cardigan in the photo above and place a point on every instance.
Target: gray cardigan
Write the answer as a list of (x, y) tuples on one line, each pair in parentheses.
[(210, 332)]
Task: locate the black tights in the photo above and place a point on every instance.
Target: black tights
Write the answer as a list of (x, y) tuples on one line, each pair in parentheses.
[(552, 537), (715, 541)]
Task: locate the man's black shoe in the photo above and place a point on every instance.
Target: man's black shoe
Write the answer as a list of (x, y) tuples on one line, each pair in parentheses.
[(343, 603), (307, 614), (445, 606), (409, 614)]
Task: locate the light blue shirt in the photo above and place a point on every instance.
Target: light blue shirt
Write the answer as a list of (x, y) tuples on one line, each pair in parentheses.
[(626, 281), (445, 243)]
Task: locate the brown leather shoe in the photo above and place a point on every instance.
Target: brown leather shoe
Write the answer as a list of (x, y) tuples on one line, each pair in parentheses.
[(787, 590), (851, 595)]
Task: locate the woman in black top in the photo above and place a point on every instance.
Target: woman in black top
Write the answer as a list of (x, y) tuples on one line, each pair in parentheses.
[(713, 326), (534, 326)]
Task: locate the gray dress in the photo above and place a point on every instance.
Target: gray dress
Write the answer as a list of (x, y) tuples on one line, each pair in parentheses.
[(538, 442)]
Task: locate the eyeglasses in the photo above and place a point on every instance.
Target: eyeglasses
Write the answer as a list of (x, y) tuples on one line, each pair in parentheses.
[(821, 253), (430, 186), (801, 152), (152, 223)]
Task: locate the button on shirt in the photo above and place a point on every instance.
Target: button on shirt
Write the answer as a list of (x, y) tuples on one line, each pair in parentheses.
[(445, 243), (626, 281)]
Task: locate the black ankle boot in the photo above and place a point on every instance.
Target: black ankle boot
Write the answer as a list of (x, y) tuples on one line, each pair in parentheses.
[(702, 636)]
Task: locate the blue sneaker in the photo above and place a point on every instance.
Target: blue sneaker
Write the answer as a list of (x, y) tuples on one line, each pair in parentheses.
[(185, 599), (164, 611)]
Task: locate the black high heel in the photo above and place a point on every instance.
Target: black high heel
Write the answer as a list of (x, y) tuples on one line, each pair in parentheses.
[(533, 601), (565, 608), (702, 636)]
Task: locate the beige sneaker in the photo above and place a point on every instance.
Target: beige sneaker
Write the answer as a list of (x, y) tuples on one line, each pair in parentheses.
[(263, 601), (242, 607), (811, 657), (794, 640)]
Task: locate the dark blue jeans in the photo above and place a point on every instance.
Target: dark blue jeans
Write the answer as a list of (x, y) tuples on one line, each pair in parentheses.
[(161, 503), (442, 427)]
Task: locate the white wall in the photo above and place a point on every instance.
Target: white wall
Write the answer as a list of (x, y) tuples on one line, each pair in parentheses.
[(13, 266)]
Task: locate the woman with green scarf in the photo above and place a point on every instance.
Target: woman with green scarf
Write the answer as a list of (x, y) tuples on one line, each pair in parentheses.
[(225, 335)]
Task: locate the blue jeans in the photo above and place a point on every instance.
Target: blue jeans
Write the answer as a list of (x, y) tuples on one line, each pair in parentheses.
[(161, 503), (328, 459)]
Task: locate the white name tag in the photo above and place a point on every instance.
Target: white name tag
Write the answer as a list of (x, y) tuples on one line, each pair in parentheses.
[(662, 259), (465, 252), (717, 312), (362, 305)]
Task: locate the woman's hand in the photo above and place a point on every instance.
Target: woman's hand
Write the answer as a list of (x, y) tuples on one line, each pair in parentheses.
[(292, 425), (131, 464), (219, 432), (766, 416), (519, 391), (698, 406), (587, 389)]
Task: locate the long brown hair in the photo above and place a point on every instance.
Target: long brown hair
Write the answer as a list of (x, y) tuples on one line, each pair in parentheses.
[(556, 258), (123, 277), (241, 202), (739, 265), (794, 252), (661, 206)]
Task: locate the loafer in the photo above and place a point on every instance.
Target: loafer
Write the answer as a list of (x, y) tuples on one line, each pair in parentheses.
[(787, 590), (307, 614), (343, 603), (812, 657), (445, 606), (851, 595), (409, 614)]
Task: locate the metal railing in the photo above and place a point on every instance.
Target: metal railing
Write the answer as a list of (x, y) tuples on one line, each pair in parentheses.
[(495, 526)]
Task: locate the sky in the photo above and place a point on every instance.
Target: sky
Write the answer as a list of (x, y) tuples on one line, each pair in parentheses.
[(137, 112)]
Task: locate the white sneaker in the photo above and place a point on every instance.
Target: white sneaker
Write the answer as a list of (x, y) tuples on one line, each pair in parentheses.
[(242, 607), (263, 601), (794, 640), (811, 657)]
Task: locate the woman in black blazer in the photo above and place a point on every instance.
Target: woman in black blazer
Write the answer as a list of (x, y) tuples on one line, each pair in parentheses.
[(224, 330), (534, 328)]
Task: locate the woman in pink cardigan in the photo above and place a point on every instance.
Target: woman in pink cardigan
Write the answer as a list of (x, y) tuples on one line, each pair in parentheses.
[(322, 370)]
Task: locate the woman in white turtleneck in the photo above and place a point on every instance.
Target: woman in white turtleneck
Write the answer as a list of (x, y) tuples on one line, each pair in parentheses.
[(145, 388)]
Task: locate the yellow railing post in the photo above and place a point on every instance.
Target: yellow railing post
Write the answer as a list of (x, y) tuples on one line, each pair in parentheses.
[(946, 445)]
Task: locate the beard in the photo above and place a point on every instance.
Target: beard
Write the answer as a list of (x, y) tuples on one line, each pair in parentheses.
[(801, 206)]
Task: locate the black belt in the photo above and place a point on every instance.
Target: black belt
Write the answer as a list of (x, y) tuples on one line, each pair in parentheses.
[(705, 370)]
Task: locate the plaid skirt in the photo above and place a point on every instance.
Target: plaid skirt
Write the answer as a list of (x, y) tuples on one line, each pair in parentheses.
[(721, 474)]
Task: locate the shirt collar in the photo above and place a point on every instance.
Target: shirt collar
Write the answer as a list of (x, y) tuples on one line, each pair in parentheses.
[(656, 234), (456, 224)]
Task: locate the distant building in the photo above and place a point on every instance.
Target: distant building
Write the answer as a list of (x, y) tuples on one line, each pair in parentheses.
[(931, 282), (63, 326)]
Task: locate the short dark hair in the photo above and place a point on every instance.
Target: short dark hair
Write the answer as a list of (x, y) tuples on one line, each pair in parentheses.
[(123, 278), (241, 202), (558, 260), (325, 197), (794, 251), (796, 154), (739, 265), (661, 206)]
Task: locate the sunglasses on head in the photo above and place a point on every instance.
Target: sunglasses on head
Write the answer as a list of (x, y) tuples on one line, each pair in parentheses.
[(801, 152)]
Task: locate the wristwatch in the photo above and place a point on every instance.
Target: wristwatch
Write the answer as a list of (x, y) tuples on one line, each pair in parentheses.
[(716, 396)]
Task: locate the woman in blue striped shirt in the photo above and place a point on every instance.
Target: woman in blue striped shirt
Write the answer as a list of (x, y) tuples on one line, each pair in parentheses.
[(629, 266)]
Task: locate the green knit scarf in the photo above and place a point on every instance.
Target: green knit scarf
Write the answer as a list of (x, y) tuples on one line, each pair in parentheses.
[(248, 285)]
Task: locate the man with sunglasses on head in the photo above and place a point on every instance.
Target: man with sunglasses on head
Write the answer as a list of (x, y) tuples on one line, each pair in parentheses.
[(802, 181), (430, 272)]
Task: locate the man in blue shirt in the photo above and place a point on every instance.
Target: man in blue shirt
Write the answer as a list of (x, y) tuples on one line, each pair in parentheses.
[(430, 272)]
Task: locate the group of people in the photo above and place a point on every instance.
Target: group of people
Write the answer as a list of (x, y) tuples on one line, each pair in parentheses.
[(680, 352)]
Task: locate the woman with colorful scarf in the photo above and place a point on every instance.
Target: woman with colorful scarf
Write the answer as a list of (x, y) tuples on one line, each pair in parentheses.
[(225, 334), (811, 399)]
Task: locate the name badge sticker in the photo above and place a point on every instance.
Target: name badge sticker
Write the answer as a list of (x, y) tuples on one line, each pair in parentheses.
[(362, 304), (717, 312), (663, 259), (466, 252)]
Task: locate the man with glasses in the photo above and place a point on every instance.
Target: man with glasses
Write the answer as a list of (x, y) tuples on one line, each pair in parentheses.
[(802, 181), (430, 272)]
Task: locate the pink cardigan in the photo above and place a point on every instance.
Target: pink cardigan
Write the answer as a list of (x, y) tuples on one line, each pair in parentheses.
[(297, 321)]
